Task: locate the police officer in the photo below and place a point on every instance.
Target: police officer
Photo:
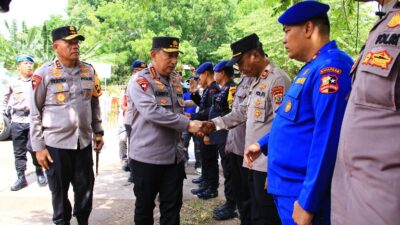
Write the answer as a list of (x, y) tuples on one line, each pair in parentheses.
[(257, 111), (65, 119), (136, 66), (222, 105), (18, 91), (209, 151), (157, 156), (366, 180), (302, 142)]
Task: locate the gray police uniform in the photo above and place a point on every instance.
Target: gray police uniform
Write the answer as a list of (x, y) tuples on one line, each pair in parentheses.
[(17, 96), (65, 112), (157, 154), (257, 110), (366, 180)]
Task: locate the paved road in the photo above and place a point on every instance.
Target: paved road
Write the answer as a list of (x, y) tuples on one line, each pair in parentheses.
[(113, 196)]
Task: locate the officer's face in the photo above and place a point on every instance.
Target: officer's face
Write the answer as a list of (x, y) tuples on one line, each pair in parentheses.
[(25, 68), (164, 62), (294, 41), (219, 76), (67, 50), (203, 80), (248, 64)]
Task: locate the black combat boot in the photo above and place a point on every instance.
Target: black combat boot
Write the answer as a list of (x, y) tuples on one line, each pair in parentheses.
[(225, 211), (209, 193), (20, 183), (41, 178), (198, 180)]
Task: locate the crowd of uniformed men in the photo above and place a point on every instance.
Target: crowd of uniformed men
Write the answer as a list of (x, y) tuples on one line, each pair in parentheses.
[(321, 149)]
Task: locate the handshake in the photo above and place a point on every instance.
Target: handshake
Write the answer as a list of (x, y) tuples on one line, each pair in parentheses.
[(201, 128)]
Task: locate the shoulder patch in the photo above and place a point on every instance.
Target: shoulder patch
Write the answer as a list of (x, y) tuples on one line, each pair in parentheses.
[(36, 80), (97, 88), (277, 94), (143, 83), (330, 70), (395, 21), (380, 59), (329, 84)]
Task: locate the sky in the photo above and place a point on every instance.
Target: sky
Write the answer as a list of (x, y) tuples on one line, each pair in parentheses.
[(33, 12)]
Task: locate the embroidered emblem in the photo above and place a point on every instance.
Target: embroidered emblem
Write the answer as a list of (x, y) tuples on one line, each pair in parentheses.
[(36, 80), (60, 87), (58, 64), (88, 93), (160, 86), (257, 102), (329, 84), (257, 113), (163, 101), (179, 90), (262, 86), (380, 59), (231, 95), (143, 83), (264, 74), (277, 93), (60, 97), (288, 105), (395, 21), (330, 70), (300, 80), (97, 88), (305, 72)]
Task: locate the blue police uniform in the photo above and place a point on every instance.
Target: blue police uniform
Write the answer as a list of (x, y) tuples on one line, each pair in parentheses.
[(308, 123)]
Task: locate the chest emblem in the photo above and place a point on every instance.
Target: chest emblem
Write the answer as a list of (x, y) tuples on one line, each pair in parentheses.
[(395, 21), (262, 86), (257, 102), (380, 59), (257, 113), (288, 105), (60, 97)]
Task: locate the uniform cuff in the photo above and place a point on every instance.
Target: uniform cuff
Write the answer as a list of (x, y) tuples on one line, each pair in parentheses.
[(183, 123), (219, 123), (97, 128), (38, 145)]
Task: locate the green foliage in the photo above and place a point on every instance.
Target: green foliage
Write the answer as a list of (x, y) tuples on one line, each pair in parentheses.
[(120, 31)]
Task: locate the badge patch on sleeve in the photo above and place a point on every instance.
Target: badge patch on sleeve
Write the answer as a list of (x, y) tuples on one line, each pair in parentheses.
[(380, 59), (330, 70), (395, 21), (329, 84), (36, 80), (277, 94), (97, 88), (143, 83)]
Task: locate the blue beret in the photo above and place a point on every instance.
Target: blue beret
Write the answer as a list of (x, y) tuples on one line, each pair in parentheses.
[(138, 64), (24, 58), (205, 66), (302, 12), (221, 65)]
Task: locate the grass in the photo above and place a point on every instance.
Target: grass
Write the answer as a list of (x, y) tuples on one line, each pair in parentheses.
[(196, 211)]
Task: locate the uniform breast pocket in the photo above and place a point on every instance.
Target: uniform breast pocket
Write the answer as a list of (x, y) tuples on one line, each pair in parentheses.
[(164, 101), (376, 79), (59, 94), (87, 93), (290, 104), (257, 109)]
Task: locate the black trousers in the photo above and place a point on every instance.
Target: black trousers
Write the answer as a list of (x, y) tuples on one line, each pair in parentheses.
[(21, 144), (226, 170), (209, 161), (75, 167), (167, 181), (240, 187), (263, 209), (197, 153)]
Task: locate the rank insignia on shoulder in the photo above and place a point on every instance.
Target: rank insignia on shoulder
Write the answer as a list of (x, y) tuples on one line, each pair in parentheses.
[(380, 59), (277, 94), (143, 83), (36, 80), (329, 84), (264, 74), (153, 74), (395, 21), (288, 105), (330, 70)]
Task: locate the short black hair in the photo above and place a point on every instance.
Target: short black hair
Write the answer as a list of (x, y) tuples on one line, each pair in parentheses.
[(229, 71), (323, 23)]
